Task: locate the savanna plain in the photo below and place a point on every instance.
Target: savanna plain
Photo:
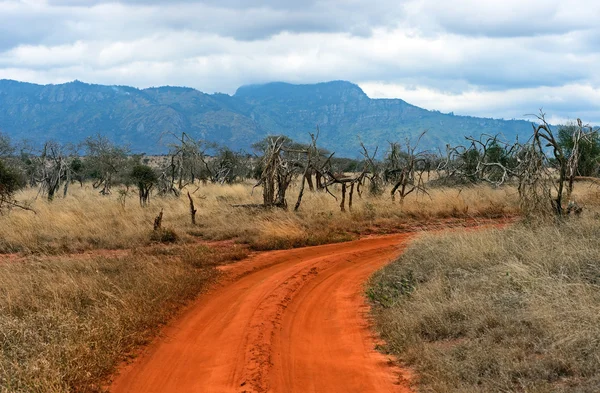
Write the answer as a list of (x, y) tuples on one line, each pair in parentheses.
[(481, 301)]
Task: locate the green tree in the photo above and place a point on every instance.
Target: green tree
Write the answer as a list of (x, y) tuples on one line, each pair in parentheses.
[(145, 178), (9, 184), (470, 159), (496, 154), (589, 149), (6, 148), (104, 160)]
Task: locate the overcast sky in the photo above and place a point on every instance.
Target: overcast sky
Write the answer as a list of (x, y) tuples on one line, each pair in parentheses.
[(477, 57)]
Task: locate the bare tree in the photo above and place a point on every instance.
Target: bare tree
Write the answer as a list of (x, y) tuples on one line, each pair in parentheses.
[(105, 160), (485, 159), (348, 185), (371, 171), (317, 163), (405, 169), (54, 168), (277, 173), (539, 189), (187, 163), (495, 163), (542, 171)]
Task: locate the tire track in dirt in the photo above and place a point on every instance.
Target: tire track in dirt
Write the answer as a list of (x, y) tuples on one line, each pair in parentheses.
[(285, 321), (265, 323)]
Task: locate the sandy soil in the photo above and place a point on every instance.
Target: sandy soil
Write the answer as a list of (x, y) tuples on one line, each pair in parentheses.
[(283, 321)]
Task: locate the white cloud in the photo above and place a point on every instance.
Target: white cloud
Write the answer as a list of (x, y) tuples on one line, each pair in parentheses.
[(487, 58), (561, 102)]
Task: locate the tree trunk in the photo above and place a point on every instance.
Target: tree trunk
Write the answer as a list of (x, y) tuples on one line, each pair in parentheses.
[(67, 182), (308, 178), (393, 192), (192, 209), (299, 201), (342, 207)]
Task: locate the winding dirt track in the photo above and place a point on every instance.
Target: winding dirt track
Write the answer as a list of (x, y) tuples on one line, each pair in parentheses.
[(285, 321)]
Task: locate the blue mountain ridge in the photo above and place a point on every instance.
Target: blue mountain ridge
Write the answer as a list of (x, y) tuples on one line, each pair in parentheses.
[(146, 119)]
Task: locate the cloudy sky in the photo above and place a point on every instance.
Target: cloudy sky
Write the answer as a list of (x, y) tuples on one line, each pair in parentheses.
[(477, 57)]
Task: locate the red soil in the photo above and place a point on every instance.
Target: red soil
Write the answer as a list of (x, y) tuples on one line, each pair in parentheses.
[(284, 321)]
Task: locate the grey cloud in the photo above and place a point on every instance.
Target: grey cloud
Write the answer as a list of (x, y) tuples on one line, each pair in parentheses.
[(244, 20), (237, 4), (218, 45)]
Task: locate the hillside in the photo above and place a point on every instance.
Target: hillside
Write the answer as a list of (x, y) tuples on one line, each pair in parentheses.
[(145, 118)]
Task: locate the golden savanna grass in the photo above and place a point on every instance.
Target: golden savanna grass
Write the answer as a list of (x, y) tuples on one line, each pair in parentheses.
[(86, 220), (67, 321), (86, 283), (512, 310)]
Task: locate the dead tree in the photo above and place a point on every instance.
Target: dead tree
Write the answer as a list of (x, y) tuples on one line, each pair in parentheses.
[(496, 159), (283, 161), (538, 183), (582, 133), (183, 164), (306, 175), (185, 159), (405, 169), (540, 167), (346, 182), (486, 159), (371, 171), (277, 174), (53, 169), (315, 164)]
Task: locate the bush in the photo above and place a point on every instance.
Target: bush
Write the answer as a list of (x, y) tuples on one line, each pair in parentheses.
[(164, 235), (9, 184)]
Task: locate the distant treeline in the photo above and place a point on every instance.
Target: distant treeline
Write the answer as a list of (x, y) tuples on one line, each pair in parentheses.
[(276, 160)]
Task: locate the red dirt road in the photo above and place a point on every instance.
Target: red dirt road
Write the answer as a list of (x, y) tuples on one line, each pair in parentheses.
[(286, 321)]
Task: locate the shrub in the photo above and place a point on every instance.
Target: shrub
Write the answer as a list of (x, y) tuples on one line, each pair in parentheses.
[(164, 235), (9, 184)]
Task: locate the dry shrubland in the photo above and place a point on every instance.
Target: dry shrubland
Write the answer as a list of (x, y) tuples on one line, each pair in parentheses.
[(499, 310), (71, 309), (86, 220), (89, 284)]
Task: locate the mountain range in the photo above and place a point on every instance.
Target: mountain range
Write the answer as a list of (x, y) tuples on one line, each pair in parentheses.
[(147, 119)]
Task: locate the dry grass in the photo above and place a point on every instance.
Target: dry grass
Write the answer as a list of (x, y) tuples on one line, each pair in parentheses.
[(68, 319), (86, 220), (66, 322), (515, 310)]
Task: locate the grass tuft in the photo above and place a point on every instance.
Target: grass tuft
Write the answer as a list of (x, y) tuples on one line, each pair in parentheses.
[(164, 235)]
